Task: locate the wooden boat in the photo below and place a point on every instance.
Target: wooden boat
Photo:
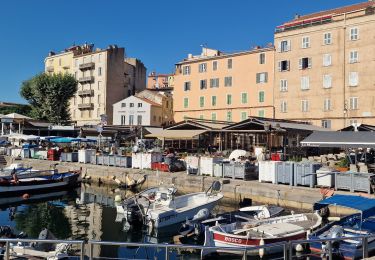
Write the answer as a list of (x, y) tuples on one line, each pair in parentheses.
[(39, 184), (355, 225), (261, 232), (22, 172)]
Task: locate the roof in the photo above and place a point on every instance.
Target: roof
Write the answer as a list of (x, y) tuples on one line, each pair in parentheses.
[(276, 124), (336, 11), (360, 127), (173, 134), (340, 139), (362, 204), (16, 116), (199, 124), (39, 124), (149, 101)]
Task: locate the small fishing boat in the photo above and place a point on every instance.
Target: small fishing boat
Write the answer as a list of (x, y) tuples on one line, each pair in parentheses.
[(39, 184), (261, 232), (22, 172), (196, 226), (346, 228)]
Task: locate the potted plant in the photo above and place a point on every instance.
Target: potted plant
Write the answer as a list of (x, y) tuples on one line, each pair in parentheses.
[(342, 165)]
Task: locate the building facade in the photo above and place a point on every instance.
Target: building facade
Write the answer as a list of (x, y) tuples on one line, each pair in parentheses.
[(146, 108), (221, 86), (324, 65), (104, 77), (160, 81)]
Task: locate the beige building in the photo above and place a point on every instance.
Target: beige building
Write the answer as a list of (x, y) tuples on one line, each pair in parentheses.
[(160, 81), (324, 67), (225, 86), (104, 77)]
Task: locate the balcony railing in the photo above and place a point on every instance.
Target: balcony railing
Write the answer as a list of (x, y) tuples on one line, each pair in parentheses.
[(50, 68), (87, 92), (86, 106), (87, 66), (86, 79)]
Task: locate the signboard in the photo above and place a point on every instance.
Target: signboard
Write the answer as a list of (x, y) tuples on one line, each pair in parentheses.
[(6, 120), (62, 127)]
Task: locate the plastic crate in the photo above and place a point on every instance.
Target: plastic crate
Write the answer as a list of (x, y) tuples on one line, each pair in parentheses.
[(285, 172), (304, 173), (218, 170)]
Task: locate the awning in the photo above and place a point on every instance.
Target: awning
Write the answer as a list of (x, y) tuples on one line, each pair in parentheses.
[(340, 139), (362, 204), (173, 134)]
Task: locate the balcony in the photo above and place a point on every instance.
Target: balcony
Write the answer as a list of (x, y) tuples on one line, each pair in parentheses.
[(87, 92), (50, 68), (86, 106), (88, 79), (87, 66)]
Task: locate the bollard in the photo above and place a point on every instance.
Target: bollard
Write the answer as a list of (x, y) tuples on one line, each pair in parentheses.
[(365, 247)]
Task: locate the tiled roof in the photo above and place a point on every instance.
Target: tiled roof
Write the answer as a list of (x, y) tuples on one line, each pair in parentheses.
[(340, 10), (149, 101)]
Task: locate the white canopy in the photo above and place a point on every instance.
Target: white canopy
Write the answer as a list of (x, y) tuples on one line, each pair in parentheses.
[(16, 116), (16, 136)]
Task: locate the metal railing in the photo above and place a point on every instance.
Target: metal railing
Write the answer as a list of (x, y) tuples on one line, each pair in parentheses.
[(286, 248)]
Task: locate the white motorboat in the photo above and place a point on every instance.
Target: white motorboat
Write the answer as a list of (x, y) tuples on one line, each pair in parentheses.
[(22, 172), (261, 232)]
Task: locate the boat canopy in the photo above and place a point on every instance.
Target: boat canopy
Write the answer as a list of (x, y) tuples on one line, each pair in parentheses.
[(365, 205), (340, 139)]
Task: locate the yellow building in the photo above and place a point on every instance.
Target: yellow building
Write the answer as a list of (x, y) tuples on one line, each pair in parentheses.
[(324, 67), (225, 86)]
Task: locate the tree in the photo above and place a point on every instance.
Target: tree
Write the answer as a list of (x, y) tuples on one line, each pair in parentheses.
[(49, 95), (19, 109)]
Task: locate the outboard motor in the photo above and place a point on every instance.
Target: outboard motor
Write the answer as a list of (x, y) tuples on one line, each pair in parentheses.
[(45, 234), (135, 215)]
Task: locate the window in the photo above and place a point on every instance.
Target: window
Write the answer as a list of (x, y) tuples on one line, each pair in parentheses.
[(283, 106), (214, 65), (213, 101), (327, 60), (186, 102), (229, 116), (327, 38), (284, 46), (203, 67), (214, 83), (99, 100), (99, 85), (261, 113), (304, 105), (327, 81), (326, 123), (353, 103), (123, 118), (201, 101), (262, 58), (230, 63), (139, 104), (139, 120), (213, 116), (283, 65), (261, 96), (353, 121), (201, 117), (228, 81), (283, 85), (75, 62), (354, 34), (154, 118), (187, 86), (244, 98), (123, 104), (229, 99), (99, 71), (353, 79), (186, 70), (305, 63), (203, 84), (99, 58), (131, 104), (305, 83), (98, 113), (353, 57), (261, 77), (305, 42), (243, 115), (131, 119), (327, 104)]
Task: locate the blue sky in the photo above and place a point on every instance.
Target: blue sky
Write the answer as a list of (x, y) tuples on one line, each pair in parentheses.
[(160, 33)]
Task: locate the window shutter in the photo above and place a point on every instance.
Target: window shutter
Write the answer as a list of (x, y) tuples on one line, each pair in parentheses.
[(258, 77), (288, 65), (266, 77), (279, 46), (309, 63), (289, 45), (279, 66), (300, 64)]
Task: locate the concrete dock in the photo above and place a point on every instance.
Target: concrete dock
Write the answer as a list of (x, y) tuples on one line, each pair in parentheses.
[(300, 198)]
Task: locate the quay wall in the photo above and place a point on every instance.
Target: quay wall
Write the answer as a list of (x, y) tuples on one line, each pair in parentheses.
[(299, 198)]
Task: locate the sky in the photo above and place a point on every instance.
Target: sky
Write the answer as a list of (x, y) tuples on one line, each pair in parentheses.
[(160, 33)]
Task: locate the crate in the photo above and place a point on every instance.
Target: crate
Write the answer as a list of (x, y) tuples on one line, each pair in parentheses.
[(285, 173), (267, 171), (304, 173), (123, 161), (93, 159), (100, 159), (218, 170), (192, 164), (343, 181), (111, 160), (325, 177), (362, 182), (228, 170), (206, 165)]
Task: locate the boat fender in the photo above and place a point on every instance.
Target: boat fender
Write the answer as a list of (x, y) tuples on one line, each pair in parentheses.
[(261, 250), (25, 196), (333, 219), (299, 248)]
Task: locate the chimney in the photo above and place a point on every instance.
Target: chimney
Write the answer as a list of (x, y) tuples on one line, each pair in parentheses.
[(297, 16)]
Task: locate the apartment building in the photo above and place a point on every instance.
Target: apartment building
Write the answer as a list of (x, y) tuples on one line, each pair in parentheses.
[(104, 77), (225, 86), (324, 64), (147, 108), (160, 81)]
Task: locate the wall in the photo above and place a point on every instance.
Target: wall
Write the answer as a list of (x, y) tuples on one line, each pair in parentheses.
[(144, 111)]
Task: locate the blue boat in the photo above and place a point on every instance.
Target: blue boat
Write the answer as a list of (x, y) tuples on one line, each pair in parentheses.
[(355, 225)]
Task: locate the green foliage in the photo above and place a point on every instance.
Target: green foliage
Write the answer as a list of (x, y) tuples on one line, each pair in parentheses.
[(49, 95), (344, 162), (19, 109), (39, 216)]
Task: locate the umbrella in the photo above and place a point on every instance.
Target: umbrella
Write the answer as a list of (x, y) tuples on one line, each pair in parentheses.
[(64, 140)]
